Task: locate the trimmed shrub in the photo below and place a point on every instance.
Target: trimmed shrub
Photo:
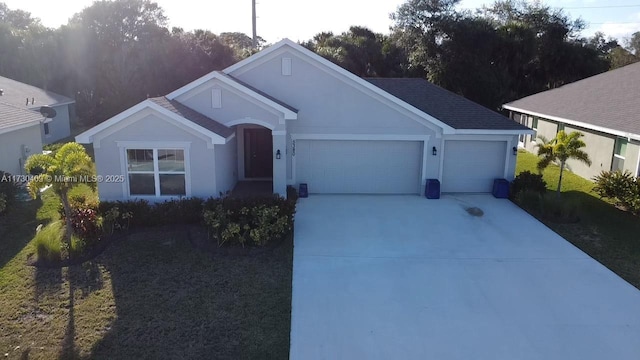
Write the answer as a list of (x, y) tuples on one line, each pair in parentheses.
[(527, 181), (530, 201), (48, 242), (254, 221), (558, 210), (621, 187), (8, 187)]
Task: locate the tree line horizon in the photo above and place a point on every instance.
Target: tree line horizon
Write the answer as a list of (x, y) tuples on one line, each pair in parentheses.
[(114, 54)]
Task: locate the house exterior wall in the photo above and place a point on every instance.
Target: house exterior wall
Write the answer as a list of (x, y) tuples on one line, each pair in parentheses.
[(599, 147), (226, 165), (155, 129), (330, 106), (11, 156), (600, 150), (59, 126), (234, 107)]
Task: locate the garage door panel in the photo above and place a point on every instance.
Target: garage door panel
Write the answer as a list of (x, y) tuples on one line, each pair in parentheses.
[(471, 166), (349, 166)]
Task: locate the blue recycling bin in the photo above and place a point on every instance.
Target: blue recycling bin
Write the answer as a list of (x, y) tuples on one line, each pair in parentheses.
[(501, 188), (432, 189), (303, 191)]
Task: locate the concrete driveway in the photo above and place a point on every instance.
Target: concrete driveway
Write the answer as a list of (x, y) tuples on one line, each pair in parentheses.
[(403, 277)]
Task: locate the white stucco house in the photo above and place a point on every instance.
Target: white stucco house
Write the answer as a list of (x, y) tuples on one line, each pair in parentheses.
[(20, 137), (290, 116), (32, 98), (605, 108)]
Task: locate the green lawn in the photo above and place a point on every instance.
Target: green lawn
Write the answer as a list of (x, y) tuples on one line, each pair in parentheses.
[(606, 233), (149, 296)]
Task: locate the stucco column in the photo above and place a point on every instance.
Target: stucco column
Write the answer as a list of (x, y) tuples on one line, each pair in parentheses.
[(280, 165)]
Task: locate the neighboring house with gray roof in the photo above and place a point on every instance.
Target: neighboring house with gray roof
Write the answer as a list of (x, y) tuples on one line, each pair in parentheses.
[(29, 97), (604, 107), (20, 136), (288, 116)]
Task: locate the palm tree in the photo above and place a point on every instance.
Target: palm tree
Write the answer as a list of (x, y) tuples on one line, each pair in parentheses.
[(560, 149), (69, 167)]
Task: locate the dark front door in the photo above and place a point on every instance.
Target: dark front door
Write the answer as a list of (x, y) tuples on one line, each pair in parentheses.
[(258, 150)]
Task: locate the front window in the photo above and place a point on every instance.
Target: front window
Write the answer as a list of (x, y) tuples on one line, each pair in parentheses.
[(47, 131), (156, 172), (619, 152)]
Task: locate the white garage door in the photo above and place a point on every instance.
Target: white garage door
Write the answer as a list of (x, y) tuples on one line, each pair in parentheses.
[(359, 166), (471, 166)]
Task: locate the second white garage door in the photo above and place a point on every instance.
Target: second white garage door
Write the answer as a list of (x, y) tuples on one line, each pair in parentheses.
[(359, 166), (471, 166)]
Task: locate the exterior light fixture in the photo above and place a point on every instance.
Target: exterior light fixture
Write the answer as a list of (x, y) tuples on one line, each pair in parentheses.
[(434, 151), (515, 150), (278, 155)]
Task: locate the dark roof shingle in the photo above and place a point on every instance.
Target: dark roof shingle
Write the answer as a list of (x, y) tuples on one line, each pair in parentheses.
[(16, 94), (193, 116), (11, 116), (610, 100), (452, 109)]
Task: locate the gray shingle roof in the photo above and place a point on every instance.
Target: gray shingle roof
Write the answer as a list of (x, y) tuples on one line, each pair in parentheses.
[(281, 103), (193, 116), (610, 100), (11, 116), (16, 93), (452, 109)]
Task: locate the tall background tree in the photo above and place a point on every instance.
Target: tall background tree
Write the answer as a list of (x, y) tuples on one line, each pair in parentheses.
[(114, 54)]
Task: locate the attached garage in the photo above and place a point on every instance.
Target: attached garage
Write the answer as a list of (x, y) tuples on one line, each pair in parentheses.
[(359, 166), (471, 166)]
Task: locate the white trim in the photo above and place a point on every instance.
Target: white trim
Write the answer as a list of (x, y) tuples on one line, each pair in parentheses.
[(278, 132), (216, 98), (253, 121), (223, 78), (342, 74), (492, 132), (576, 123), (286, 66), (90, 135), (360, 137), (154, 144), (638, 164), (230, 137)]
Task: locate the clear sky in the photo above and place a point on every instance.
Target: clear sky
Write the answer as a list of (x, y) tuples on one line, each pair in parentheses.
[(301, 19)]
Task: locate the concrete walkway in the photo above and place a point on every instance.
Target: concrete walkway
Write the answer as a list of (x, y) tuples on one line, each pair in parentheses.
[(403, 277)]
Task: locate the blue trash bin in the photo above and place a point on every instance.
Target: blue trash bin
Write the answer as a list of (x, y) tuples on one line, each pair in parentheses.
[(501, 188), (432, 189), (303, 191)]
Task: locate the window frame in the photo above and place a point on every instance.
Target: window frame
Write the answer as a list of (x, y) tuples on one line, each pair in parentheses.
[(534, 121), (621, 157), (155, 147)]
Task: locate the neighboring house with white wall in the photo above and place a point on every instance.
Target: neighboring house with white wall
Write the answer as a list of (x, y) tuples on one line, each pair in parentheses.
[(20, 137), (29, 97), (604, 107), (290, 116)]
